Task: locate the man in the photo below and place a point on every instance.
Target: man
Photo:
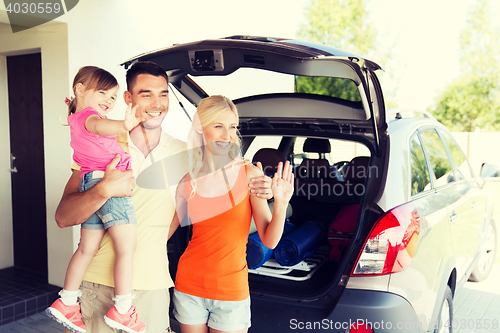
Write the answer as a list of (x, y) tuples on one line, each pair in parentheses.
[(147, 87)]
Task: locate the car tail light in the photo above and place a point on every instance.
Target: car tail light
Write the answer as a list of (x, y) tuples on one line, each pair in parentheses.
[(360, 328), (391, 244)]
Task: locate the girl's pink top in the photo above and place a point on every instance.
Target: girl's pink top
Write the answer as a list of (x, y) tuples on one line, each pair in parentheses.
[(93, 152)]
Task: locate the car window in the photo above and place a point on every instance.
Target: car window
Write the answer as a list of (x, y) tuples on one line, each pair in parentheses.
[(438, 157), (463, 168), (420, 180), (328, 86), (250, 81)]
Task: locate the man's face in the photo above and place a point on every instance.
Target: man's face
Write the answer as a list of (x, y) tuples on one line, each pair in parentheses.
[(150, 94)]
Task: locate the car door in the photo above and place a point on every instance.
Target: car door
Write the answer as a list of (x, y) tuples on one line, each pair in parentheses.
[(452, 194), (473, 209)]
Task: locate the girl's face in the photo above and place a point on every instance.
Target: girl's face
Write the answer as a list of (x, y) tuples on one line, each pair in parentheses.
[(221, 133), (102, 101)]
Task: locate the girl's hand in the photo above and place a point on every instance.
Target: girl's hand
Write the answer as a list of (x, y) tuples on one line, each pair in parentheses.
[(282, 183), (131, 120)]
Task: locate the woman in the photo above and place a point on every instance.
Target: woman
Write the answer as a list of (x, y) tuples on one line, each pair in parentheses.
[(211, 288)]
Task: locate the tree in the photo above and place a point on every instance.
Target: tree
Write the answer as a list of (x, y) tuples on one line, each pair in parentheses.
[(342, 24), (472, 101), (339, 23)]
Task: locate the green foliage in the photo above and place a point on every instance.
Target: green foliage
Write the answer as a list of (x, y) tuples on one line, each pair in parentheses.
[(419, 174), (342, 24), (339, 23), (467, 104), (328, 86), (472, 101)]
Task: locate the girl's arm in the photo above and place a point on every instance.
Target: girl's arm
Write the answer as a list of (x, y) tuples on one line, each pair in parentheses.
[(109, 127), (270, 226)]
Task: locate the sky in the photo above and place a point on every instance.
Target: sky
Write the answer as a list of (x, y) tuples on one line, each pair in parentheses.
[(423, 37)]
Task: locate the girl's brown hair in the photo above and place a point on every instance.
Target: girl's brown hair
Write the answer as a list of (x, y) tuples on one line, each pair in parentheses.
[(94, 78)]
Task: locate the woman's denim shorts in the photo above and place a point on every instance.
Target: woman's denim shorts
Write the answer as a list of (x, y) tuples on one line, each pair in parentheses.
[(219, 315)]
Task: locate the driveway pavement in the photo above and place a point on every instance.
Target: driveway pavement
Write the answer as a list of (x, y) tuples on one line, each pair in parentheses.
[(476, 310), (477, 306)]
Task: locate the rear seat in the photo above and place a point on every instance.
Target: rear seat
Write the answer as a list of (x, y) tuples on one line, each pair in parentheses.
[(269, 157), (315, 168), (331, 187), (357, 169), (316, 178)]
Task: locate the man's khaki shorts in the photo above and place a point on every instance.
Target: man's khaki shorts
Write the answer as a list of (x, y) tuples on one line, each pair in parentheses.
[(152, 308)]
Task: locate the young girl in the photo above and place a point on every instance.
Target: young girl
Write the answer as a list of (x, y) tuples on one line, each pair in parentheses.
[(211, 286), (95, 145)]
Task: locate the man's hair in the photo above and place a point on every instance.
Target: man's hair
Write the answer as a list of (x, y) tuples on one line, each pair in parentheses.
[(144, 67)]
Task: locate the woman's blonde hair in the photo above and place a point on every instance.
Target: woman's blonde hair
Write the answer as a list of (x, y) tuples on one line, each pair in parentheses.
[(206, 113)]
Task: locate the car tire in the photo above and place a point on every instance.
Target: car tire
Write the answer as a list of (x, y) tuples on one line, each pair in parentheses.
[(486, 259), (445, 317)]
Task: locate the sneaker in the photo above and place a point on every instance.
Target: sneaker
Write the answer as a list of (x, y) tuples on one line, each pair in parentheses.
[(67, 315), (128, 322)]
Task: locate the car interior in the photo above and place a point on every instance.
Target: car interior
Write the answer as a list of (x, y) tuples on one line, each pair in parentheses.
[(326, 186)]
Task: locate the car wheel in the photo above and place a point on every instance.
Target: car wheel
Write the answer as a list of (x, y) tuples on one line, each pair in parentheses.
[(486, 260), (445, 317)]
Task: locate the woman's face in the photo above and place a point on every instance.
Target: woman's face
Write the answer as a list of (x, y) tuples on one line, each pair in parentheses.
[(221, 133)]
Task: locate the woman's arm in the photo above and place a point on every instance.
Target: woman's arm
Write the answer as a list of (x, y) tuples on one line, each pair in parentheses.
[(76, 207), (180, 207), (270, 226)]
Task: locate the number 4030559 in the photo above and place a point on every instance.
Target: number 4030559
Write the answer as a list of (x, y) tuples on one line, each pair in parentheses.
[(472, 324), (34, 8)]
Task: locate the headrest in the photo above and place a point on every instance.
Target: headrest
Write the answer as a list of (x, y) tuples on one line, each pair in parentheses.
[(269, 157), (357, 169), (314, 145)]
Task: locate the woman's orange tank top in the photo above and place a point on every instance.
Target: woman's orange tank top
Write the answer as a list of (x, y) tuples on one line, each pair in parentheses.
[(214, 264)]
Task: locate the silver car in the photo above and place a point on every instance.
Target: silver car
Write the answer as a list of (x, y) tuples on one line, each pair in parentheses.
[(387, 221)]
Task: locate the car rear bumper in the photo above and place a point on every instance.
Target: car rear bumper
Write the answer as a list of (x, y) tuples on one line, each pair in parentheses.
[(383, 311)]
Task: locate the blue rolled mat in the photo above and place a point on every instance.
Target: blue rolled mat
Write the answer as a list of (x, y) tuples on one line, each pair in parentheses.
[(300, 243), (257, 253)]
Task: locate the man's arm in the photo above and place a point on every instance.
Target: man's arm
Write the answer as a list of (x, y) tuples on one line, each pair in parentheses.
[(75, 207)]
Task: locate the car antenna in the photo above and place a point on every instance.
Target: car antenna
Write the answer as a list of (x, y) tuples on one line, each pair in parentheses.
[(180, 103)]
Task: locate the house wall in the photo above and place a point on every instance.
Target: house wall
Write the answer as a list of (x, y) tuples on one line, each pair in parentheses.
[(479, 148), (51, 41), (105, 34), (6, 241)]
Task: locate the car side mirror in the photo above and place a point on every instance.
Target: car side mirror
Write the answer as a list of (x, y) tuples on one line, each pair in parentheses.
[(489, 171)]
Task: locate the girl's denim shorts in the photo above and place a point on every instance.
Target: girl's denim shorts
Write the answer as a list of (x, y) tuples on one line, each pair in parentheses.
[(115, 210)]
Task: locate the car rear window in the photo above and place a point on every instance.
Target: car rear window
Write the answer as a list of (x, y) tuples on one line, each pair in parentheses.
[(328, 86), (250, 82)]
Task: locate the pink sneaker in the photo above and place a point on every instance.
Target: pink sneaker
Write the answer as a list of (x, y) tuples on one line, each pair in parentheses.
[(127, 322), (67, 315)]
